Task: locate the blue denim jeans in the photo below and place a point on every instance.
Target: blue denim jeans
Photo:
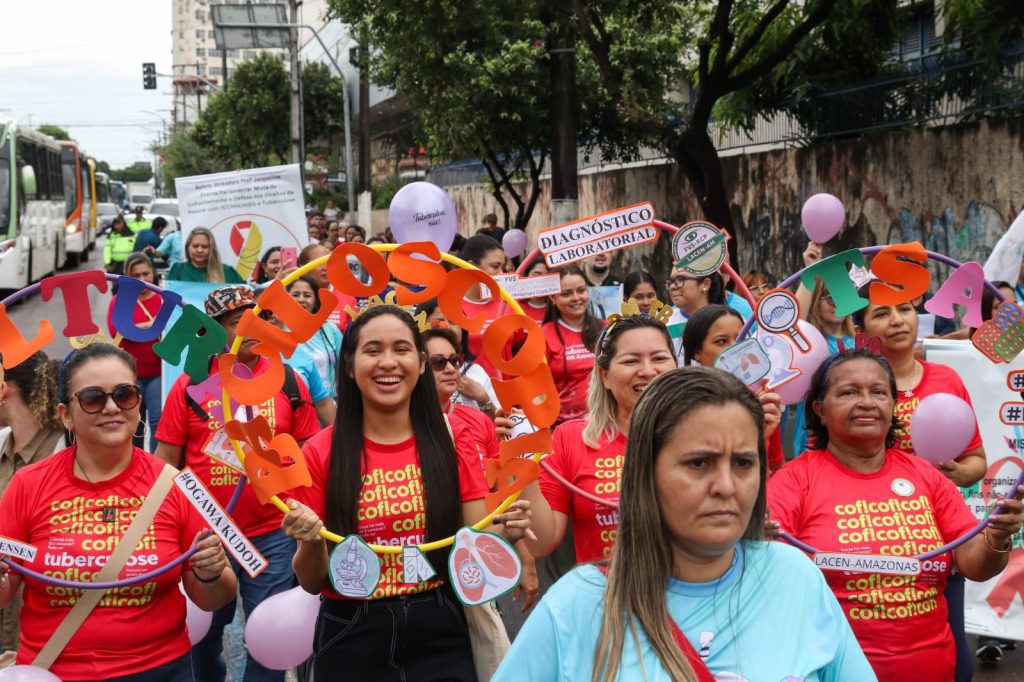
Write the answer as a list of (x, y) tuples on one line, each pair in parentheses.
[(178, 670), (149, 410), (207, 662)]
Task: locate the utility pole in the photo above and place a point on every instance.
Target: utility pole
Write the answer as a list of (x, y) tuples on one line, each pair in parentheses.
[(564, 182), (364, 113), (295, 124)]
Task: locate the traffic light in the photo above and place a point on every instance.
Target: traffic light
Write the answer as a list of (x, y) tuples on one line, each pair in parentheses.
[(148, 76)]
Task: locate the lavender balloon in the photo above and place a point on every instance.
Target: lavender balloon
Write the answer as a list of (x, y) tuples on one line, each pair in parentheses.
[(279, 632), (422, 212), (823, 216), (942, 427), (514, 243)]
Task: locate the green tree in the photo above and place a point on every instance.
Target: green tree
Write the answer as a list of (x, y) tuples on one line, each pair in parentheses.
[(131, 174), (322, 109), (183, 156), (247, 124), (56, 132), (722, 63)]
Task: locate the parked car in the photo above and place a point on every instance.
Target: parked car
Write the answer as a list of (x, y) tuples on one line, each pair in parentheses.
[(105, 214), (165, 208)]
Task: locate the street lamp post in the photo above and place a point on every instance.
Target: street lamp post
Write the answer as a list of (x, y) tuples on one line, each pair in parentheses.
[(344, 96)]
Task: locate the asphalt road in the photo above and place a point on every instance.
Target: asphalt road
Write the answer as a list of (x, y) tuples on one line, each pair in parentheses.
[(27, 315)]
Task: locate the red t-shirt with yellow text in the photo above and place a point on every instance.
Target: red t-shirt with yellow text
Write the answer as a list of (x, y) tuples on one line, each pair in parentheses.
[(391, 504), (598, 472), (180, 425), (47, 506), (478, 428), (571, 363), (936, 378), (906, 508)]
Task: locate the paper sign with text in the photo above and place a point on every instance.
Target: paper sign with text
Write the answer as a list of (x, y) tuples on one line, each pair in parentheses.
[(867, 563), (601, 233), (530, 287), (240, 547), (17, 550)]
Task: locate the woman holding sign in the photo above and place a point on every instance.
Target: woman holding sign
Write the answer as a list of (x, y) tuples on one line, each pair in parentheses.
[(388, 471), (857, 494), (689, 591), (571, 334), (76, 506)]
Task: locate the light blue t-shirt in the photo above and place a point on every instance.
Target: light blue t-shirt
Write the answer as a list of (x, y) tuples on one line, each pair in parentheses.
[(739, 304), (770, 618), (323, 347), (302, 363), (171, 248)]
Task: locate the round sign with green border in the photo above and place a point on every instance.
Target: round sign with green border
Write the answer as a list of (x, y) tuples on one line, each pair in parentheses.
[(699, 248)]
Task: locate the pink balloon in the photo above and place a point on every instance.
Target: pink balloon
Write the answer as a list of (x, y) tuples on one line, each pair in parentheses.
[(514, 243), (823, 216), (942, 427), (422, 212), (27, 673), (197, 621), (795, 390), (279, 632)]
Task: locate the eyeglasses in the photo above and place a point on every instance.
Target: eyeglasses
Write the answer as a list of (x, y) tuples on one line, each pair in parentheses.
[(760, 287), (437, 362), (678, 281), (93, 400)]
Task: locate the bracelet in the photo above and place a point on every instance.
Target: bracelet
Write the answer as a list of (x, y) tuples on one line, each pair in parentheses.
[(1008, 549), (203, 580)]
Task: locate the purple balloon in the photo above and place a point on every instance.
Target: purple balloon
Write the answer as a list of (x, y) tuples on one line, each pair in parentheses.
[(795, 390), (197, 621), (279, 632), (514, 243), (422, 212), (27, 673), (942, 427), (823, 216)]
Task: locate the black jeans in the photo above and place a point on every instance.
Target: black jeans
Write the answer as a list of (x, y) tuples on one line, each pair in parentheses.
[(422, 637), (955, 585), (178, 670)]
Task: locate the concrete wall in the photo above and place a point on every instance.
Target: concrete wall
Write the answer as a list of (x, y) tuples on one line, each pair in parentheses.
[(956, 189)]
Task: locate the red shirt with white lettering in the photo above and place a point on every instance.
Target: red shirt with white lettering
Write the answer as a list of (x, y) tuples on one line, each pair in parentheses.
[(478, 428), (571, 364), (935, 378), (338, 316), (535, 313), (476, 339), (391, 500), (905, 508), (180, 425), (597, 471), (47, 506)]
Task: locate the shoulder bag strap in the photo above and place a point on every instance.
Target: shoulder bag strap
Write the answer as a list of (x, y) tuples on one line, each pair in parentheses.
[(91, 598), (700, 668)]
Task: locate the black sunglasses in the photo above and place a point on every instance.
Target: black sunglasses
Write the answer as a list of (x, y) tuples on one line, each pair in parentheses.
[(93, 400), (437, 362)]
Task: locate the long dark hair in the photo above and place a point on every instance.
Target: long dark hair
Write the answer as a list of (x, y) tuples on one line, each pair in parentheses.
[(96, 351), (822, 381), (697, 328), (592, 326), (437, 457), (477, 247), (635, 279)]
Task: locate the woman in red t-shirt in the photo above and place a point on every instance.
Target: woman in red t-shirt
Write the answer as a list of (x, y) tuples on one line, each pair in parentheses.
[(570, 334), (711, 330), (856, 494), (389, 471), (588, 452), (534, 308), (147, 364), (74, 507)]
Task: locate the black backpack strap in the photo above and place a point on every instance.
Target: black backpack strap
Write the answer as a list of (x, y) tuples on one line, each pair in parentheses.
[(291, 389), (193, 405)]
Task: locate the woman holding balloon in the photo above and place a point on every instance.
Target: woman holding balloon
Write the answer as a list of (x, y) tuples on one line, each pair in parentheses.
[(856, 493)]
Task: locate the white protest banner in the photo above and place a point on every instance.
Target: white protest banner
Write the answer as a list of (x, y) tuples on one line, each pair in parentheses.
[(17, 550), (993, 608), (240, 547), (867, 563), (529, 287), (248, 211), (601, 233)]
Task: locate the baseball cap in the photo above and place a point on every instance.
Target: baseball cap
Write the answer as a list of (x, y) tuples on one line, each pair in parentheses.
[(223, 300)]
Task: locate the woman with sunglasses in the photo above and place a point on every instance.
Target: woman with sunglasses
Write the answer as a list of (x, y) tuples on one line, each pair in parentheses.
[(147, 364), (76, 505)]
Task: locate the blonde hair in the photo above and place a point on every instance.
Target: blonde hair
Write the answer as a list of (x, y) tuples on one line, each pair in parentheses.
[(641, 562), (814, 317), (214, 266), (601, 404)]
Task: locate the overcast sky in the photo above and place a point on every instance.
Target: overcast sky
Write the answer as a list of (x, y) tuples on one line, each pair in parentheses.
[(78, 64)]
